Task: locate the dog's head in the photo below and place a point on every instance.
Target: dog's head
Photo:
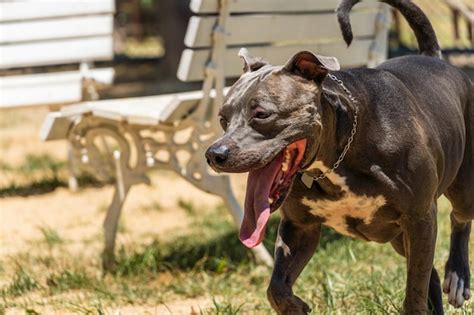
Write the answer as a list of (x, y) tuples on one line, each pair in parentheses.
[(271, 119)]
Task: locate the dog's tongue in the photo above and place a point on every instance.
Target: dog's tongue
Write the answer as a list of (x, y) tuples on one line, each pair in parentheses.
[(257, 206)]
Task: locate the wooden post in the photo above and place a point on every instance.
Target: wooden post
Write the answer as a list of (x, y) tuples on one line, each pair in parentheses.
[(379, 48), (455, 17)]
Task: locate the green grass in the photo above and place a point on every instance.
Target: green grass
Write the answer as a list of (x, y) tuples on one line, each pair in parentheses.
[(51, 236), (187, 206), (31, 311), (38, 174), (41, 162), (122, 226), (207, 260), (151, 207), (21, 283), (68, 280), (224, 308)]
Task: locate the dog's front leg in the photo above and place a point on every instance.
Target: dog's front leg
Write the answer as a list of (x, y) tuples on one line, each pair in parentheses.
[(295, 245), (420, 240)]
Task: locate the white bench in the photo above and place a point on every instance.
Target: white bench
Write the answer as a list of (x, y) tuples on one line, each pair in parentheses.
[(173, 131), (43, 34)]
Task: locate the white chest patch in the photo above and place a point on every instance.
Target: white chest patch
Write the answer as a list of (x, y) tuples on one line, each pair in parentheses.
[(350, 204)]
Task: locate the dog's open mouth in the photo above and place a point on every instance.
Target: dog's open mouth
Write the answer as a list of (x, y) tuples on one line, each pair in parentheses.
[(267, 188)]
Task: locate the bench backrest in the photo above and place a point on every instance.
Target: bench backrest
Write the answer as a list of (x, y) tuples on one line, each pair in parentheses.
[(50, 33), (276, 29), (40, 33)]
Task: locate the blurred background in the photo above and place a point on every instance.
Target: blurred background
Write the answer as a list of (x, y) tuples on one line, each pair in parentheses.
[(148, 52), (177, 248), (142, 38)]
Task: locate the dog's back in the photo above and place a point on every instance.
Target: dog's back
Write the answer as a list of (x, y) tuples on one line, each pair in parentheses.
[(442, 95)]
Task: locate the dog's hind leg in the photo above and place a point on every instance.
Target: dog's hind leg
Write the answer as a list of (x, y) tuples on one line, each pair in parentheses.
[(294, 247), (460, 193), (435, 302)]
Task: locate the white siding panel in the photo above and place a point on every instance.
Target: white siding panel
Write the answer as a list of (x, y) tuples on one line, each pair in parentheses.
[(56, 52), (241, 6), (80, 26), (271, 28), (191, 67), (41, 9)]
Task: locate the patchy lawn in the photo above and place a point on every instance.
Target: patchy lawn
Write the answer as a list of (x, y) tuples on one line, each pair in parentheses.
[(177, 249)]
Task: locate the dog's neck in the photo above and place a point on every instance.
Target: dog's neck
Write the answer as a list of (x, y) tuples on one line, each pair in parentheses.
[(336, 114)]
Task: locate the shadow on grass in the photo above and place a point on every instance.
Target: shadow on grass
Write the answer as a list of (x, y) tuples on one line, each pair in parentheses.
[(48, 185), (219, 253), (46, 174)]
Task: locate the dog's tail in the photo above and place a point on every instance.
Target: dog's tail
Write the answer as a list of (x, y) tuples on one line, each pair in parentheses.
[(424, 32)]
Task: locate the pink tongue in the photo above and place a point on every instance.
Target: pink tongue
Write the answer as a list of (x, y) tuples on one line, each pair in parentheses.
[(257, 207)]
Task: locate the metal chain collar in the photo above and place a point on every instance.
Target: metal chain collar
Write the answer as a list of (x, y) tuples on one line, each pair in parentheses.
[(353, 131)]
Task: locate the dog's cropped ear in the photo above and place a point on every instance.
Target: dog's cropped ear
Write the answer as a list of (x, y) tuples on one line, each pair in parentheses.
[(312, 67), (251, 63)]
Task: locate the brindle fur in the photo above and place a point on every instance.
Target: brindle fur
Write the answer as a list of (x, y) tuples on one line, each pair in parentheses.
[(415, 141)]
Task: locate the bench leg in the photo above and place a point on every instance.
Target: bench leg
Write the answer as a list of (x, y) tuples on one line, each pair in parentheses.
[(72, 169), (261, 253), (113, 215)]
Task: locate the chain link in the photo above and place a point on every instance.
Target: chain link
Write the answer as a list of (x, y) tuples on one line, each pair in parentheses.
[(353, 131)]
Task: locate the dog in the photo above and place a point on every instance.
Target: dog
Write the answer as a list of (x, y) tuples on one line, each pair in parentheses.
[(366, 152)]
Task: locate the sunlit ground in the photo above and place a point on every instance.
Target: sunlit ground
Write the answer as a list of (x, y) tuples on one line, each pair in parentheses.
[(177, 249)]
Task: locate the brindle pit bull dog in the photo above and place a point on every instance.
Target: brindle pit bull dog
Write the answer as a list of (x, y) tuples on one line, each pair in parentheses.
[(401, 135)]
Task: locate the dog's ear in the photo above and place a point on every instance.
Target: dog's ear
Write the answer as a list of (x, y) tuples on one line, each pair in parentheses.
[(312, 67), (251, 63)]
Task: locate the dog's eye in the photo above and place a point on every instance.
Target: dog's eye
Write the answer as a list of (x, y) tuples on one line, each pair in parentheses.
[(261, 115), (223, 121)]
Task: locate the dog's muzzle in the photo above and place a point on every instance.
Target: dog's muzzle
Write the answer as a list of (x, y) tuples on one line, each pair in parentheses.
[(217, 155)]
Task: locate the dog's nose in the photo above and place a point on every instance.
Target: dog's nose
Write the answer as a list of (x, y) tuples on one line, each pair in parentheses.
[(217, 155)]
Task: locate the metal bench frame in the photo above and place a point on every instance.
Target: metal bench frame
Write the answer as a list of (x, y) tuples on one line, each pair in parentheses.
[(143, 146), (204, 126)]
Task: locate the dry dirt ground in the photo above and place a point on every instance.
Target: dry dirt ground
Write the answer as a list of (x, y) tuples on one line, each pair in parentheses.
[(150, 211), (50, 244)]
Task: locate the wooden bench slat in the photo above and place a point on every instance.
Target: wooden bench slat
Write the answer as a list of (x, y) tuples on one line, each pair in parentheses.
[(146, 111), (150, 110), (37, 9), (242, 6), (40, 89), (56, 52), (55, 127), (69, 27), (47, 88), (268, 28), (191, 66)]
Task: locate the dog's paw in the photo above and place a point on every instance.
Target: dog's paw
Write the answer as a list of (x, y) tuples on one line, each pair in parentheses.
[(288, 304), (456, 288), (294, 306)]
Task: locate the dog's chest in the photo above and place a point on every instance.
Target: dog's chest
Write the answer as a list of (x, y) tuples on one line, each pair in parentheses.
[(348, 210)]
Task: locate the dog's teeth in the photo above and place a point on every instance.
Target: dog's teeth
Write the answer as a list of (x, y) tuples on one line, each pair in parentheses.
[(270, 200), (284, 166)]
